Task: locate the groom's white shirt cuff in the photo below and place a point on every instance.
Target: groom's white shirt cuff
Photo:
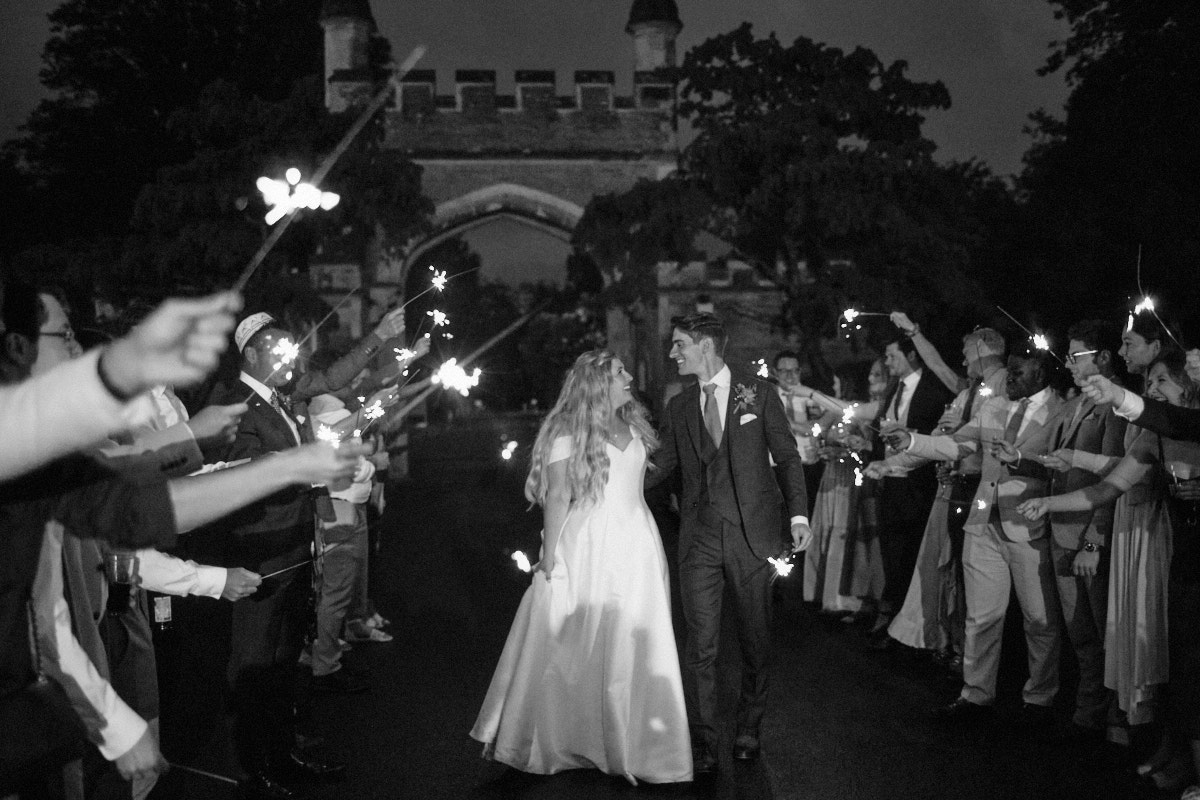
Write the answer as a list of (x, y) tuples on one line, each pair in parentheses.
[(803, 520)]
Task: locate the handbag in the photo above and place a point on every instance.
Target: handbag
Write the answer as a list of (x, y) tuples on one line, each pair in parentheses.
[(43, 714)]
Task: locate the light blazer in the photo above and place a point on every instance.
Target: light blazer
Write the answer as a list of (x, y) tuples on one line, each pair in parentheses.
[(999, 487), (755, 434), (1097, 430)]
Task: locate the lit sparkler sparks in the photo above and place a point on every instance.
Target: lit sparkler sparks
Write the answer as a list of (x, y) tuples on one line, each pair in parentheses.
[(522, 561), (439, 318), (1041, 342), (783, 566), (374, 411), (858, 477), (507, 451), (985, 391), (439, 279), (816, 429), (851, 314), (762, 368), (452, 376), (328, 434), (290, 195), (848, 413), (404, 355), (287, 352), (1146, 304)]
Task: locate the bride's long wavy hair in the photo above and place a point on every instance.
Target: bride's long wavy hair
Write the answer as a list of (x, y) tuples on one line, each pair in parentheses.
[(582, 412)]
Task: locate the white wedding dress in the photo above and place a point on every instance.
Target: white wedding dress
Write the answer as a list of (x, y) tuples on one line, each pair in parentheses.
[(589, 676)]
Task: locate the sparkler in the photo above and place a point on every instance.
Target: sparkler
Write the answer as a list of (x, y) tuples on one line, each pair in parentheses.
[(783, 566), (377, 102), (851, 314), (816, 429), (439, 279), (453, 376), (328, 434), (287, 354), (290, 195), (507, 451), (439, 318), (522, 561), (1039, 340), (762, 371)]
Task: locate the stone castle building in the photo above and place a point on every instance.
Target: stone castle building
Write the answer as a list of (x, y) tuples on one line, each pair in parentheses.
[(536, 157)]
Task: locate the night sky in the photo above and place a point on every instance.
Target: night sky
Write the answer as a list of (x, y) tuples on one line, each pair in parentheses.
[(986, 51)]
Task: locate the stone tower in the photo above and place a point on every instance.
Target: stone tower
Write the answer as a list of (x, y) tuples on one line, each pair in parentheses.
[(348, 26), (653, 24)]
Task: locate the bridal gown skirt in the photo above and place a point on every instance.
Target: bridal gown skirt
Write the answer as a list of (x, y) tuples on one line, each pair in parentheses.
[(589, 676)]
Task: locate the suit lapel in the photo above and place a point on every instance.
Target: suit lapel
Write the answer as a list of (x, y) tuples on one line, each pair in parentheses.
[(691, 414), (273, 418), (1037, 424), (1086, 407)]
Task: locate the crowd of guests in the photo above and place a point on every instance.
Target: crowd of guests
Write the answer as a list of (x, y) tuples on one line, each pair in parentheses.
[(1042, 475), (115, 499)]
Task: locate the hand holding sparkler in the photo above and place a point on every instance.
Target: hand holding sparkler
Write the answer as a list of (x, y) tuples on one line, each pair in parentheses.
[(1101, 391), (392, 324), (1005, 452), (322, 462), (801, 536), (1034, 508), (1060, 460), (217, 424), (897, 436), (178, 345), (876, 470), (782, 564), (906, 325)]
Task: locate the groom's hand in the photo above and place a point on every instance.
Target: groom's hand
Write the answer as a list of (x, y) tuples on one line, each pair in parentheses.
[(801, 537)]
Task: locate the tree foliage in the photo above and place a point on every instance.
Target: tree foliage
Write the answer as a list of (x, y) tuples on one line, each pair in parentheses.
[(1120, 172)]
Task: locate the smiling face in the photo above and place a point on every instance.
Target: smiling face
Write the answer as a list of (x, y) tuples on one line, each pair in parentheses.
[(897, 363), (1024, 378), (1161, 386), (619, 392), (877, 379), (1138, 352), (1081, 367), (689, 354), (787, 369)]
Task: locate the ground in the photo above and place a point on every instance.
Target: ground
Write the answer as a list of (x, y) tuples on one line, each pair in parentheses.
[(845, 723)]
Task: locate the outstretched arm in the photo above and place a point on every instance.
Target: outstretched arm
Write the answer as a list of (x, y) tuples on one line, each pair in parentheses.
[(929, 354)]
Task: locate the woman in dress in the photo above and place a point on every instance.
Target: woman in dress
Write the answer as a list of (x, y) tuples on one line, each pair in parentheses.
[(589, 676), (838, 566)]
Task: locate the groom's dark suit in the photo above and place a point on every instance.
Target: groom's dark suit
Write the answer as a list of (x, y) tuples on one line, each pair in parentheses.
[(730, 509)]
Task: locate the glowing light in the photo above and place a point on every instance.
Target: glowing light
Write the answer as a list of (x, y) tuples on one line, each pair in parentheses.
[(404, 355), (858, 477), (452, 376), (986, 391), (439, 318), (1041, 342), (522, 561), (287, 353), (1146, 304), (374, 411), (762, 368), (439, 279), (507, 451), (816, 429), (328, 434), (290, 195), (981, 505), (850, 315), (783, 566), (848, 413)]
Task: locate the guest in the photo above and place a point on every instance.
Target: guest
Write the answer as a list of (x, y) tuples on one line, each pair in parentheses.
[(916, 404), (1001, 550), (934, 613)]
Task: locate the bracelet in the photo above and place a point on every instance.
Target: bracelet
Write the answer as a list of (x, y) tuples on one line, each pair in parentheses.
[(915, 330), (107, 383)]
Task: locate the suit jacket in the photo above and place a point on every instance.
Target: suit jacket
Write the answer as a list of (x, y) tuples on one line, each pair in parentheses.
[(1171, 422), (274, 530), (1084, 426), (924, 413), (756, 431), (999, 487)]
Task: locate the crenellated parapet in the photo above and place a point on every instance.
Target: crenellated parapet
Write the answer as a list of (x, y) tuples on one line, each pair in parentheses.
[(534, 119)]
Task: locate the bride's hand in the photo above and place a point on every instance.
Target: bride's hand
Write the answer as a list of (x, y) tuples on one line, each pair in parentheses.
[(546, 565)]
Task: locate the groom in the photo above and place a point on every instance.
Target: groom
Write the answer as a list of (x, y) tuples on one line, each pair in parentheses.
[(721, 435)]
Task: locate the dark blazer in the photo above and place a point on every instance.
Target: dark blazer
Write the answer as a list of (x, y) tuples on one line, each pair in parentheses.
[(1172, 422), (755, 431), (925, 410), (268, 534)]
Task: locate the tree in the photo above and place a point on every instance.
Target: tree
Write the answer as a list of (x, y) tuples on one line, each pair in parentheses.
[(811, 162), (1120, 173)]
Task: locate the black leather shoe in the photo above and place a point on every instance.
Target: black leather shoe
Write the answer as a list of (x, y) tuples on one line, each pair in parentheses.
[(339, 682), (704, 760), (963, 711), (314, 769), (745, 747), (261, 786)]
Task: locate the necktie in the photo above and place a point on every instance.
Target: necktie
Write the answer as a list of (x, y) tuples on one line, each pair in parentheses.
[(967, 411), (789, 404), (896, 402), (1014, 424), (712, 415)]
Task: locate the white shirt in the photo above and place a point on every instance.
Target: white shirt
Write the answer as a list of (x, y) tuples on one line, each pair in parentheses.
[(1131, 407), (265, 392), (1036, 401), (723, 379)]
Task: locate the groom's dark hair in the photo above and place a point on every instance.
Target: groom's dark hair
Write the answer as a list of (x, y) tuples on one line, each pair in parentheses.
[(703, 325)]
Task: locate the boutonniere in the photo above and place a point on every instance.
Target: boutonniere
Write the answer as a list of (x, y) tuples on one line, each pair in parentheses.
[(746, 397)]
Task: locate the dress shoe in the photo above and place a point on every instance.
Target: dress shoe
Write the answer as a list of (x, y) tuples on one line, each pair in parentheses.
[(880, 640), (313, 769), (704, 760), (963, 711), (261, 786), (745, 747), (339, 682), (954, 666)]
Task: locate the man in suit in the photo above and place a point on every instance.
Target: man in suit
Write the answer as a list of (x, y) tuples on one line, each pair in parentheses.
[(272, 535), (1002, 550), (915, 403), (721, 437), (1079, 539)]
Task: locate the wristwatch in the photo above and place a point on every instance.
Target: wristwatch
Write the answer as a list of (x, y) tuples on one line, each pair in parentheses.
[(1090, 547)]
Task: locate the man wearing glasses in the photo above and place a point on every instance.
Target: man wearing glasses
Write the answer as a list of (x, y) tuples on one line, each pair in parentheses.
[(787, 371), (1087, 444)]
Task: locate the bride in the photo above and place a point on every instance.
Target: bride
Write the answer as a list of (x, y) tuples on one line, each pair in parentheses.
[(589, 676)]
